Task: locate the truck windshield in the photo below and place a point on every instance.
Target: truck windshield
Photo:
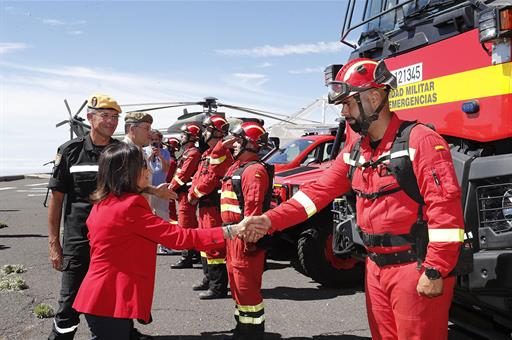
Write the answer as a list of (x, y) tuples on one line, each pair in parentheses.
[(289, 152), (383, 21)]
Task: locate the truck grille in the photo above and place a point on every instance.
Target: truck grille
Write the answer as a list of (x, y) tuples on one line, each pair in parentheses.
[(495, 207)]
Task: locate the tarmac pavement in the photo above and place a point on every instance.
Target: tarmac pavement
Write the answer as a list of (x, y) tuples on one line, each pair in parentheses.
[(296, 307)]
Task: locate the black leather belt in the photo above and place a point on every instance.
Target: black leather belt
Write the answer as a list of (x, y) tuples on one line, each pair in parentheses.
[(399, 257)]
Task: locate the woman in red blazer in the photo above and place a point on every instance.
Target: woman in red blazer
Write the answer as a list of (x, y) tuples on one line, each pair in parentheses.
[(123, 234)]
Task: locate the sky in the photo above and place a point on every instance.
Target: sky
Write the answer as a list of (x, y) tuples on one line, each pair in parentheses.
[(268, 55)]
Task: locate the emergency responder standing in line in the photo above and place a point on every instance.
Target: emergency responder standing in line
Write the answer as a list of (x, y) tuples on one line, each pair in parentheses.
[(246, 190), (205, 190), (181, 181), (406, 297), (173, 145), (73, 179)]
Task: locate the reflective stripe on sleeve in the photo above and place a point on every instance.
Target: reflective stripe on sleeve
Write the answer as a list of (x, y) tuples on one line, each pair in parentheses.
[(178, 180), (83, 168), (217, 160), (228, 194), (230, 207), (203, 254), (446, 235), (173, 222), (198, 193), (308, 205)]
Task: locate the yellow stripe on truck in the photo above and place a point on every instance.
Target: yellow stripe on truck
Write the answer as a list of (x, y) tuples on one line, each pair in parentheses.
[(479, 83)]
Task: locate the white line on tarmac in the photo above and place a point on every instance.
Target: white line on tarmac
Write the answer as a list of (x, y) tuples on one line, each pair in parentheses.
[(35, 195), (33, 190), (7, 188), (35, 185)]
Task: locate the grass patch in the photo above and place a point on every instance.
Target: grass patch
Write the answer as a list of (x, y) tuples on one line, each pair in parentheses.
[(15, 283), (43, 311), (13, 268)]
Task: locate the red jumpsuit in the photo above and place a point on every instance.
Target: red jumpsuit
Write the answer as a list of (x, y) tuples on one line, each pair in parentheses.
[(172, 203), (395, 310), (186, 167), (205, 186), (245, 261)]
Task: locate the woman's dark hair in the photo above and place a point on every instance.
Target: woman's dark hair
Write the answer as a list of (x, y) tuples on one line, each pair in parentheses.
[(119, 167)]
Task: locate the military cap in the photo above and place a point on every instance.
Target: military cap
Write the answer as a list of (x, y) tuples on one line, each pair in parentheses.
[(103, 101), (138, 117)]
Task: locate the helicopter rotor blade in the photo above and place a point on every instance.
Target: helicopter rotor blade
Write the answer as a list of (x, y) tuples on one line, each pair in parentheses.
[(68, 108), (260, 114), (81, 108), (264, 113), (62, 123), (161, 107), (164, 103)]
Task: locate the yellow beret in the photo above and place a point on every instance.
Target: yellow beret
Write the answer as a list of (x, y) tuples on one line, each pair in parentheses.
[(103, 101), (138, 117)]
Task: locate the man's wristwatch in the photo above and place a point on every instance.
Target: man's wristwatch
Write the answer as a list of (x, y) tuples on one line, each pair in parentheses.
[(432, 273)]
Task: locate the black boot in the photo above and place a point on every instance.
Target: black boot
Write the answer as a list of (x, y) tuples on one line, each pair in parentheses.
[(185, 261), (195, 257), (251, 332), (211, 295), (203, 285), (218, 276)]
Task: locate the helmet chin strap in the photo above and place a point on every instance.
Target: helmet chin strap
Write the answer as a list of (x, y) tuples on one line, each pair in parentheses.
[(244, 148), (364, 121)]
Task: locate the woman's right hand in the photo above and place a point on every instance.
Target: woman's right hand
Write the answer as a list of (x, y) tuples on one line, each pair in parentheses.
[(251, 229)]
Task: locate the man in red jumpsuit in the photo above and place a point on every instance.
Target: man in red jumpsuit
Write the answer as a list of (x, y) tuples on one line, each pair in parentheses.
[(403, 300), (186, 167), (245, 261), (205, 191), (173, 145)]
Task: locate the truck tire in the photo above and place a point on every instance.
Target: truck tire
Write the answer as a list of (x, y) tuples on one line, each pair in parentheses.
[(318, 261)]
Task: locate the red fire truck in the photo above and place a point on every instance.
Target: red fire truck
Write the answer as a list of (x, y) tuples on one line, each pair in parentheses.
[(453, 63)]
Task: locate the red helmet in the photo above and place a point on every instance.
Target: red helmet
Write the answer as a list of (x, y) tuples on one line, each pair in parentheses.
[(216, 122), (191, 129), (359, 75), (173, 142), (251, 131)]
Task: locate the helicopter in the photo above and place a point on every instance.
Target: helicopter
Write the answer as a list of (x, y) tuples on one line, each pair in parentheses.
[(210, 107)]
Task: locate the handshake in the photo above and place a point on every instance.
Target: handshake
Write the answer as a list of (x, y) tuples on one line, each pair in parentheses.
[(251, 229)]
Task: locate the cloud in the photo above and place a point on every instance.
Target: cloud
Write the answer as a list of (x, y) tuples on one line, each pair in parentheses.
[(53, 22), (252, 81), (265, 65), (32, 102), (281, 51), (77, 32), (307, 70), (6, 47)]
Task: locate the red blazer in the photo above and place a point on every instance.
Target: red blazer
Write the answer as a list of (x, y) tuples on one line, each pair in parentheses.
[(124, 233)]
